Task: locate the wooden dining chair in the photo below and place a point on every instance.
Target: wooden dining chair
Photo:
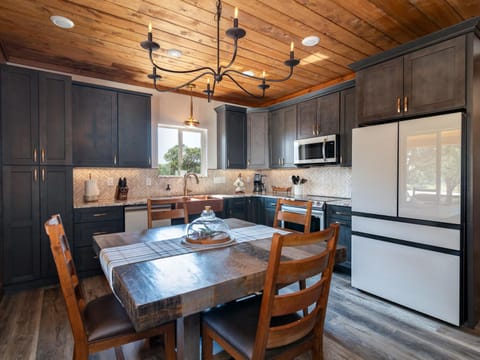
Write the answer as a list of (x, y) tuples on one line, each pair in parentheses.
[(164, 209), (283, 215), (272, 325), (102, 323)]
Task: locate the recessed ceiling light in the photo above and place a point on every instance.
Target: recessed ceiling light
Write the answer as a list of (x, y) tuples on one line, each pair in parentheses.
[(62, 22), (249, 73), (311, 40), (174, 53)]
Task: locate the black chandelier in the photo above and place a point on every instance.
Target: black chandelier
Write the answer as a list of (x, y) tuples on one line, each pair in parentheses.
[(221, 71)]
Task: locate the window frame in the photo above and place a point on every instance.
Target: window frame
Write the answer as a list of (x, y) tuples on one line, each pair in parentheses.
[(203, 141)]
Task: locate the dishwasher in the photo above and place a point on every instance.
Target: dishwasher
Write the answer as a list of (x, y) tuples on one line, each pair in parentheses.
[(136, 218)]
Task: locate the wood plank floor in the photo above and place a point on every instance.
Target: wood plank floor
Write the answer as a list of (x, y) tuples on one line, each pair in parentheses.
[(34, 325)]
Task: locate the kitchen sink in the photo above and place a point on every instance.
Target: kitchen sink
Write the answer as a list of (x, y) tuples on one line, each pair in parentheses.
[(196, 203)]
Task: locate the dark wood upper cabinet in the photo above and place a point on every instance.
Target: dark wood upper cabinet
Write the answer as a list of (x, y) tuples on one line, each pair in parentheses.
[(257, 140), (36, 117), (111, 128), (422, 82), (318, 116), (55, 119), (282, 127), (348, 121), (231, 137), (134, 129), (307, 119), (328, 112), (94, 126)]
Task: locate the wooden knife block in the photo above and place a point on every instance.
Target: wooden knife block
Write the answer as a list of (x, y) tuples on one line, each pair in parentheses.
[(121, 193)]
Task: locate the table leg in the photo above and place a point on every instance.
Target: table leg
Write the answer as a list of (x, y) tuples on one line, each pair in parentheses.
[(188, 337)]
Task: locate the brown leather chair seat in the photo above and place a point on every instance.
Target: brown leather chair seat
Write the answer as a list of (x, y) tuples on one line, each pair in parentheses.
[(105, 317)]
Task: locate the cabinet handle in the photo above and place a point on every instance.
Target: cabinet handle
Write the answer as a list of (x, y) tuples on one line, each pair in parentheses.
[(43, 175), (35, 175), (398, 105), (341, 213), (100, 233), (42, 152), (314, 130), (405, 104), (318, 129), (35, 155), (149, 160), (100, 214), (248, 162), (115, 159)]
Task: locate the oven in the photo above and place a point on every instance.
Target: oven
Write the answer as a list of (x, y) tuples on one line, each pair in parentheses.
[(318, 218)]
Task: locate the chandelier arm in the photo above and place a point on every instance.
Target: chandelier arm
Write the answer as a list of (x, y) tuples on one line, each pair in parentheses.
[(241, 87), (234, 56), (260, 78), (182, 85), (181, 71)]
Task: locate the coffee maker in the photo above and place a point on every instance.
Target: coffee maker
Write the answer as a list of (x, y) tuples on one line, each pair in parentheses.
[(258, 185)]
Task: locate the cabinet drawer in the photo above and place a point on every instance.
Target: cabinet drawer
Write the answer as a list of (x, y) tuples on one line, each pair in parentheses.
[(99, 214), (85, 259), (270, 203), (339, 214), (85, 231)]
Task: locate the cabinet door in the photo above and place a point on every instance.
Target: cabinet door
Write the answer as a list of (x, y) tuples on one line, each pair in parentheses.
[(235, 208), (236, 136), (379, 92), (289, 135), (56, 194), (19, 115), (269, 205), (275, 128), (134, 128), (347, 123), (328, 110), (434, 78), (257, 140), (307, 119), (21, 225), (94, 126), (55, 119)]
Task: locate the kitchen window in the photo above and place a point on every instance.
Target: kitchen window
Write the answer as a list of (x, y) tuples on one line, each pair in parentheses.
[(181, 150)]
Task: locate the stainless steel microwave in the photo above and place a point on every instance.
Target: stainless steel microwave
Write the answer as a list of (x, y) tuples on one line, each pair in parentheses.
[(317, 150)]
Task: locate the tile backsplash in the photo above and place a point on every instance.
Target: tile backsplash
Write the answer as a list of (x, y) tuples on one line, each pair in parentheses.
[(323, 180)]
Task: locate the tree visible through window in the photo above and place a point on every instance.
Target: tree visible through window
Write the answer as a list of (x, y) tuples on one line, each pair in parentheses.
[(180, 150)]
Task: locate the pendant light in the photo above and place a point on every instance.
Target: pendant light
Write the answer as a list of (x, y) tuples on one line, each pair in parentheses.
[(191, 122)]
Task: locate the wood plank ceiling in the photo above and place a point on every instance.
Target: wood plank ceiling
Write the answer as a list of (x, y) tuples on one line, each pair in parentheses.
[(104, 43)]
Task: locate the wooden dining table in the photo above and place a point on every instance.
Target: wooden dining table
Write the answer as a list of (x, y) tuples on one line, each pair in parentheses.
[(184, 281)]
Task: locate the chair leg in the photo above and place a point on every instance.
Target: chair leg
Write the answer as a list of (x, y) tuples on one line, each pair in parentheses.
[(207, 344), (169, 342)]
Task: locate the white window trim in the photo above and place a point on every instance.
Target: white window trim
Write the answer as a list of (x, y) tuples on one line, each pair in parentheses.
[(204, 152)]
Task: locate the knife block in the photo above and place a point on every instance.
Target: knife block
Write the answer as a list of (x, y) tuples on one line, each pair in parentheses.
[(121, 193)]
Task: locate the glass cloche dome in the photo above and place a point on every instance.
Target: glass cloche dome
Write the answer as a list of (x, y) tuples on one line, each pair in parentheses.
[(207, 229)]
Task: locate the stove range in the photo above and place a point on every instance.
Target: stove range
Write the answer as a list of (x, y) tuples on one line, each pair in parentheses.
[(318, 202)]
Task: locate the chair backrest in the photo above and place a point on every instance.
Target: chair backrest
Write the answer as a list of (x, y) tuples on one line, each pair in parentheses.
[(314, 297), (282, 214), (162, 209), (69, 282)]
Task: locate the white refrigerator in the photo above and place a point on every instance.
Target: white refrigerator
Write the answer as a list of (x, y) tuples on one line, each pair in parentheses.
[(406, 213)]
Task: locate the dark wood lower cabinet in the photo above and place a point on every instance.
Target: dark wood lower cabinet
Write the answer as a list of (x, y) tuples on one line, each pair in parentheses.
[(89, 222), (269, 206), (342, 215), (30, 195)]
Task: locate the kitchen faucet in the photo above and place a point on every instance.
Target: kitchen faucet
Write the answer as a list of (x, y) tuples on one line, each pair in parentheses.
[(185, 178)]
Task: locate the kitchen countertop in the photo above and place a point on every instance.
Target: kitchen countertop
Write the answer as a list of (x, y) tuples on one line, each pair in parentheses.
[(143, 201)]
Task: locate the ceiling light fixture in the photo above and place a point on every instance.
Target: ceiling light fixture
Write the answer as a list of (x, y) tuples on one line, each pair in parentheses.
[(62, 22), (310, 40), (220, 71), (191, 122)]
